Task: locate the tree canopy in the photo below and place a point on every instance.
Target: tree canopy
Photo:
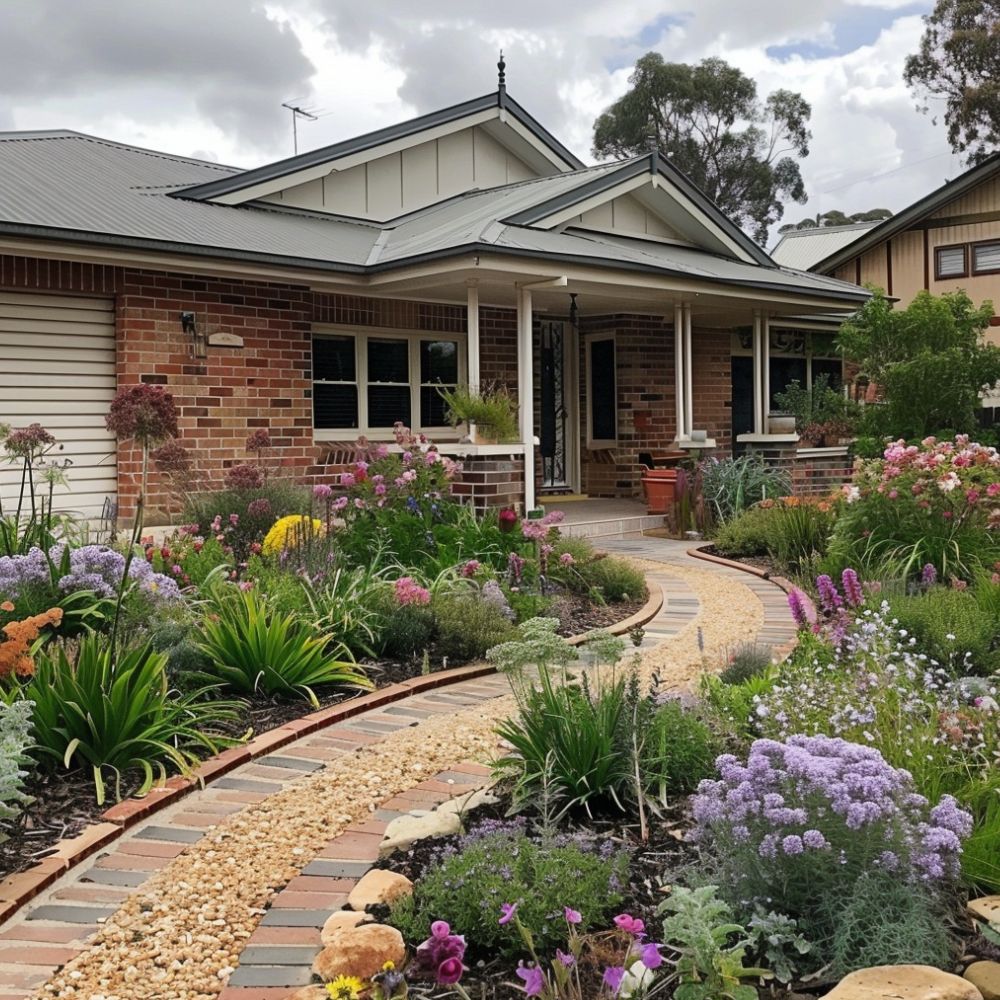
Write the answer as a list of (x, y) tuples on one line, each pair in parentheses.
[(708, 121), (931, 361), (956, 73), (837, 218)]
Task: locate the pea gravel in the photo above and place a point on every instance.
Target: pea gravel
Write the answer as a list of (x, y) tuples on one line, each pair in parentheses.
[(180, 935)]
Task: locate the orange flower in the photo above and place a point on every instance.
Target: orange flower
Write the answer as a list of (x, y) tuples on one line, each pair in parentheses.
[(15, 650), (7, 606)]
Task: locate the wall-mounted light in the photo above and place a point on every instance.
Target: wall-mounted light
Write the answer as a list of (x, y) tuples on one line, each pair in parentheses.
[(199, 340)]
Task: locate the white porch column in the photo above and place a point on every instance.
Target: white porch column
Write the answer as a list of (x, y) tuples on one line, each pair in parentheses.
[(765, 366), (525, 392), (688, 374), (758, 386), (680, 382), (472, 344)]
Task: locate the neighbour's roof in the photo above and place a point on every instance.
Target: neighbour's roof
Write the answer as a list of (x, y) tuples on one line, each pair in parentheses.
[(76, 188), (908, 217), (802, 248)]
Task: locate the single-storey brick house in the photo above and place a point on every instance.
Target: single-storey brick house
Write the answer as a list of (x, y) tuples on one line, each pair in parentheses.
[(327, 295)]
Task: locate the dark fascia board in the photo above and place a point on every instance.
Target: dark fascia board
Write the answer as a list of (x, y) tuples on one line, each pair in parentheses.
[(851, 295), (902, 221), (651, 163), (282, 168)]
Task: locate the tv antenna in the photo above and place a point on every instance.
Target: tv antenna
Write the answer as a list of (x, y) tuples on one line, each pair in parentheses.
[(297, 113)]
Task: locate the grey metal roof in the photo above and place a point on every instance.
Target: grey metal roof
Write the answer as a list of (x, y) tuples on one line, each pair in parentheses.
[(74, 188), (915, 213), (329, 154), (801, 248)]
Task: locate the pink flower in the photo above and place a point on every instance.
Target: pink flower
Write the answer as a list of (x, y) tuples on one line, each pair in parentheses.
[(340, 503), (572, 916), (450, 971), (380, 489), (993, 489), (347, 480), (534, 981), (566, 559), (408, 591), (322, 491), (631, 925), (507, 911), (471, 568), (440, 929)]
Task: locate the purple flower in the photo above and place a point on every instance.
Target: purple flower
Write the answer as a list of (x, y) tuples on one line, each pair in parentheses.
[(534, 981), (801, 608), (322, 491), (829, 597), (928, 575), (567, 960), (450, 971), (853, 590), (441, 951), (572, 916), (612, 979), (440, 929), (507, 911), (650, 956)]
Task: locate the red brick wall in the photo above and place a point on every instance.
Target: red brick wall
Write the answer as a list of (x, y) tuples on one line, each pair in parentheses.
[(711, 378)]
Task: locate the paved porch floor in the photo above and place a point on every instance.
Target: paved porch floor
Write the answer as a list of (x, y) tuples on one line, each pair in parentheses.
[(604, 518)]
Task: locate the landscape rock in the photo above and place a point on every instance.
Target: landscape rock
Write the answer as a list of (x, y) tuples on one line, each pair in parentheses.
[(986, 908), (903, 982), (985, 976), (310, 993), (342, 920), (407, 830), (360, 951), (379, 887)]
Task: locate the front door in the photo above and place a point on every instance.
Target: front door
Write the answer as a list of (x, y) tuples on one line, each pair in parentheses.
[(557, 406)]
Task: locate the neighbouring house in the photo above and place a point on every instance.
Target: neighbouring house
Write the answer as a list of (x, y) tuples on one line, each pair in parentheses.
[(328, 295)]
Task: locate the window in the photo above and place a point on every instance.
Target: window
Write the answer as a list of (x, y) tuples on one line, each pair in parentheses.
[(602, 393), (985, 258), (364, 383), (951, 262)]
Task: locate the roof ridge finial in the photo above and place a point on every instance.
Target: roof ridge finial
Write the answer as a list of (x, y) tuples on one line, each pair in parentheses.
[(502, 72)]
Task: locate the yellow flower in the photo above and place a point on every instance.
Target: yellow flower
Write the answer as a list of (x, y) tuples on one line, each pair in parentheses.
[(388, 966), (288, 531), (345, 988)]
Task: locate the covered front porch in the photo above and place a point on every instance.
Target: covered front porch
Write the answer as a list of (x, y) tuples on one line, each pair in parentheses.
[(606, 368)]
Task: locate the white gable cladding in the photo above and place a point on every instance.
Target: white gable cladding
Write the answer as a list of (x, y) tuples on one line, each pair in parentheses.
[(628, 216), (410, 179)]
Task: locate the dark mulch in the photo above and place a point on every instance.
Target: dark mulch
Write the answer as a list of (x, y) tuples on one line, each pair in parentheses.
[(63, 803), (764, 563)]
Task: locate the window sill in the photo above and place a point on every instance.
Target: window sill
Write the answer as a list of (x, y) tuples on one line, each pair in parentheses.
[(767, 438), (465, 450), (688, 444), (833, 452)]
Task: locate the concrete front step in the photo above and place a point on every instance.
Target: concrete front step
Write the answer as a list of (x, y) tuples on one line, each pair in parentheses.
[(613, 527)]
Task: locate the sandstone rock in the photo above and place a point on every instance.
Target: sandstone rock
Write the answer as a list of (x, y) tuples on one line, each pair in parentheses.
[(379, 886), (342, 920), (903, 982), (360, 951), (985, 976), (985, 908), (310, 993), (407, 830)]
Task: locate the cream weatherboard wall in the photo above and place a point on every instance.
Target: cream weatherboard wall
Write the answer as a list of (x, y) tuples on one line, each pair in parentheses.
[(626, 215), (57, 368), (404, 181)]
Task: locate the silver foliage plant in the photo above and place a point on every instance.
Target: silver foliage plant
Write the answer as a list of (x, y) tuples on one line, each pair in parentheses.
[(15, 738)]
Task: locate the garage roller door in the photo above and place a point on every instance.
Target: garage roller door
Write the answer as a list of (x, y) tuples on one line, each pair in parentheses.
[(57, 368)]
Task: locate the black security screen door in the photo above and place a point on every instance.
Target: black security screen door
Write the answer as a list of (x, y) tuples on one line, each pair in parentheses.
[(553, 415)]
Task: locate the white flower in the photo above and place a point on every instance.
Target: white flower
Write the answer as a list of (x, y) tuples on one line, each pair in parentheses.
[(636, 981), (852, 493), (948, 482)]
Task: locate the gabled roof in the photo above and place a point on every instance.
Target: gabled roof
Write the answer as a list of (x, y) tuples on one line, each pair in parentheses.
[(294, 169), (73, 189), (908, 217), (802, 248)]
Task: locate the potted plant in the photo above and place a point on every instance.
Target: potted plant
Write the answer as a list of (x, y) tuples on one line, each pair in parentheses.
[(490, 412), (779, 422)]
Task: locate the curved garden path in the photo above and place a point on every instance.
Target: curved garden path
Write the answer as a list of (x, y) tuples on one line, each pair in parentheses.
[(221, 896)]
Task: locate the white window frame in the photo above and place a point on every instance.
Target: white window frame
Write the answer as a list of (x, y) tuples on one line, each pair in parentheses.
[(361, 337), (588, 341)]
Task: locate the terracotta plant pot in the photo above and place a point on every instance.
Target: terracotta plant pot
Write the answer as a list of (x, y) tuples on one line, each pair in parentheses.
[(660, 487)]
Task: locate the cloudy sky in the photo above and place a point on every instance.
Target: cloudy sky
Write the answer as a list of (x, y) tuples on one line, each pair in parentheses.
[(208, 77)]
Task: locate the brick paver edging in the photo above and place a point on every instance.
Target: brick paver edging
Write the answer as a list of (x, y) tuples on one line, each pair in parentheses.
[(18, 890), (279, 954)]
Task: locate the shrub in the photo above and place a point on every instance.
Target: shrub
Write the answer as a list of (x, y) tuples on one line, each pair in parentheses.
[(15, 741), (933, 503), (252, 649), (803, 820), (751, 533), (613, 579), (466, 888), (801, 533), (731, 485), (747, 660), (880, 920), (468, 625), (185, 657), (243, 516), (491, 408), (407, 630), (676, 752), (952, 627), (527, 606), (117, 714)]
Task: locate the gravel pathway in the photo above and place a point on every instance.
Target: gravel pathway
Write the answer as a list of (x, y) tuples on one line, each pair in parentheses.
[(181, 896)]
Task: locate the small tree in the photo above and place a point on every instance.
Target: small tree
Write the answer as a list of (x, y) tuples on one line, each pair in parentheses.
[(930, 360)]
